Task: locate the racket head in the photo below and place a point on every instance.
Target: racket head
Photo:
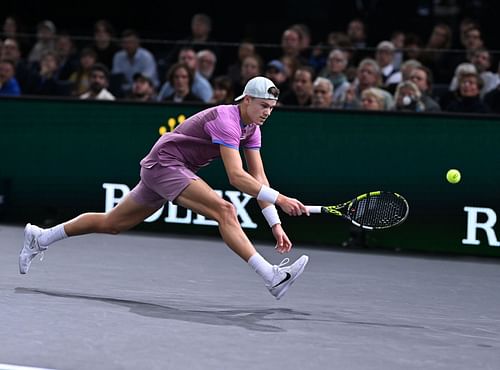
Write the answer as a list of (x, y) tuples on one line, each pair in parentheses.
[(378, 210), (373, 210)]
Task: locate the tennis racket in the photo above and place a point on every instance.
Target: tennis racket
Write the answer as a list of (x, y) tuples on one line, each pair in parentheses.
[(374, 210)]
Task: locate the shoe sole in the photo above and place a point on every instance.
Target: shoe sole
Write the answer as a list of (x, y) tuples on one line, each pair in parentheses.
[(294, 278), (24, 246)]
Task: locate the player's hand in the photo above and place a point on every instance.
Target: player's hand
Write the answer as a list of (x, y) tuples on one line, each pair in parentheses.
[(291, 206), (283, 244)]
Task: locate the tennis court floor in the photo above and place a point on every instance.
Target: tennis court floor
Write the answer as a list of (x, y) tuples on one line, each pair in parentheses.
[(151, 301)]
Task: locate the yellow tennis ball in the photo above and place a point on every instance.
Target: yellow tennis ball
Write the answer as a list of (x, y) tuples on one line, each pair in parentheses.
[(162, 130), (453, 176)]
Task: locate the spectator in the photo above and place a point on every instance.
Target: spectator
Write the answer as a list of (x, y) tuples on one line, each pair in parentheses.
[(356, 32), (133, 59), (453, 92), (335, 72), (481, 58), (276, 72), (413, 47), (8, 82), (142, 88), (201, 87), (80, 79), (25, 76), (384, 55), (373, 98), (68, 55), (245, 48), (99, 81), (301, 91), (250, 67), (223, 90), (181, 77), (472, 41), (322, 96), (199, 38), (47, 82), (13, 29), (422, 77), (207, 62), (103, 44), (368, 75), (398, 38), (436, 55), (408, 98), (291, 45), (45, 34), (468, 99)]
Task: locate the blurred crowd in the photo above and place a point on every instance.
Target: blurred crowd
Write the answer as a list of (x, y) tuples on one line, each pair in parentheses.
[(431, 72)]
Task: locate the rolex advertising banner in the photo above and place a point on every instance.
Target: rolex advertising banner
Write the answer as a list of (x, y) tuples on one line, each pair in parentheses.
[(60, 158)]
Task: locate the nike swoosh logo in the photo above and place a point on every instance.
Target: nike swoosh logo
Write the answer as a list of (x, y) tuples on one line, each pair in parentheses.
[(288, 276)]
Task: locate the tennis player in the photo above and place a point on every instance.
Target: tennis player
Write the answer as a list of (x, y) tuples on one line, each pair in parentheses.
[(168, 173)]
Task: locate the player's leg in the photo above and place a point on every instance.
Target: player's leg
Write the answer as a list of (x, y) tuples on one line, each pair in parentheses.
[(201, 198), (127, 214)]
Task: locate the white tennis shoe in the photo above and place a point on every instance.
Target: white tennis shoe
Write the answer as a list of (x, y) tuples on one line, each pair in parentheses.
[(31, 248), (284, 276)]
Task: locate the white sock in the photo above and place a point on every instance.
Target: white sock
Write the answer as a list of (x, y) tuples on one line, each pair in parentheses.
[(52, 235), (261, 267)]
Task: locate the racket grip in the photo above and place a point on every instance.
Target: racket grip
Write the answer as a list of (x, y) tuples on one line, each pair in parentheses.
[(314, 209)]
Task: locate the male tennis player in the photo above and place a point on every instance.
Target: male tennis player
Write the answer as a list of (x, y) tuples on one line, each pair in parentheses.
[(168, 173)]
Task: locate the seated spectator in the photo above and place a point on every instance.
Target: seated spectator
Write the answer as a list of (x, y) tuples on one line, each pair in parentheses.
[(250, 68), (13, 29), (275, 71), (103, 44), (335, 71), (201, 87), (301, 91), (99, 81), (481, 58), (8, 82), (68, 55), (384, 55), (25, 76), (223, 90), (468, 99), (422, 77), (181, 78), (492, 100), (408, 98), (368, 75), (322, 96), (134, 59), (206, 61), (245, 49), (142, 89), (453, 93), (47, 81), (435, 54), (81, 77), (46, 41), (373, 98)]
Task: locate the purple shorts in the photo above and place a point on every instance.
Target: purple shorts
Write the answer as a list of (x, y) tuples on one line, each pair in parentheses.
[(160, 184)]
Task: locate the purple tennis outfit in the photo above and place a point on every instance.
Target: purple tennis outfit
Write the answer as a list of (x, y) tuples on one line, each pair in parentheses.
[(175, 158)]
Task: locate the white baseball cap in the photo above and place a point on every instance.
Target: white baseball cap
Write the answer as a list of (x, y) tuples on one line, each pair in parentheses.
[(260, 87)]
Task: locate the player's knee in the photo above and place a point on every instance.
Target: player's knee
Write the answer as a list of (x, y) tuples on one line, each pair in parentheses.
[(227, 212)]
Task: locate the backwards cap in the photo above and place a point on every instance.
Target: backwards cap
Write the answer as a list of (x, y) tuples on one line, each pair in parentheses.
[(260, 87)]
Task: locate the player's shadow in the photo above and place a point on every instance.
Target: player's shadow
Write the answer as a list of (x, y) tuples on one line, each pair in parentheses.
[(249, 319)]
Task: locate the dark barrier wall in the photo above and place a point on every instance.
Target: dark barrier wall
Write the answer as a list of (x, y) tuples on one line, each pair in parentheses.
[(60, 158)]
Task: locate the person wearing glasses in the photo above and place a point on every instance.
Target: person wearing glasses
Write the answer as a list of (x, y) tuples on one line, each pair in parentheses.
[(168, 173)]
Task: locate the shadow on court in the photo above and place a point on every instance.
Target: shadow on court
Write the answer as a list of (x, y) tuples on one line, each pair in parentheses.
[(248, 319)]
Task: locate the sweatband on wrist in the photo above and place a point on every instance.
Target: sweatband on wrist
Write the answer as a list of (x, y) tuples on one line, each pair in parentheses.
[(267, 194), (271, 215)]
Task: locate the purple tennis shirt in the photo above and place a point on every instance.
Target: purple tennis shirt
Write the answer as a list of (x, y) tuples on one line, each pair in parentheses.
[(195, 142)]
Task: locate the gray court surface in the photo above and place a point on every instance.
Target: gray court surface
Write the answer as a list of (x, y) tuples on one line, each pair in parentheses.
[(151, 301)]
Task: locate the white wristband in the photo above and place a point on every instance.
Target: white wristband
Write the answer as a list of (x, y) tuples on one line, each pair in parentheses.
[(267, 194), (271, 215)]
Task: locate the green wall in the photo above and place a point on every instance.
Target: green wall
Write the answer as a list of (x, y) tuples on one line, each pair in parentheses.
[(56, 155)]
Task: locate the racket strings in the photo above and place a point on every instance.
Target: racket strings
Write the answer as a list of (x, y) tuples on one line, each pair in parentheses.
[(379, 211)]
